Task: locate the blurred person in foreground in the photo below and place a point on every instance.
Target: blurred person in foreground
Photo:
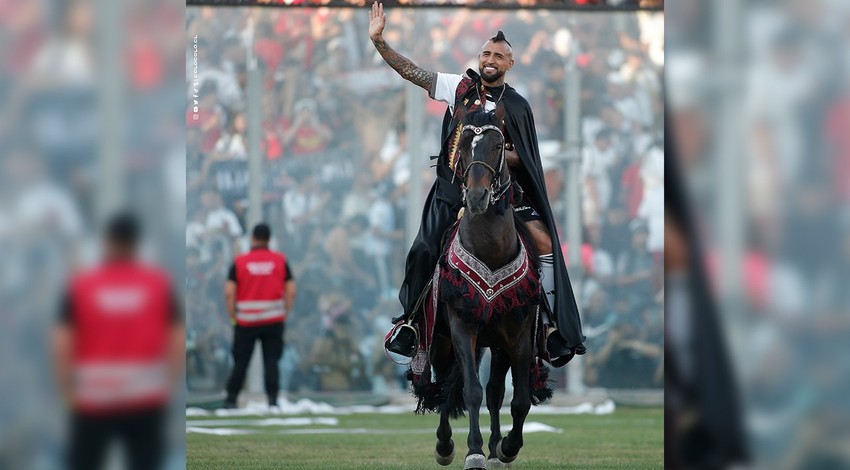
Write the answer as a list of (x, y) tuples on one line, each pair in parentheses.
[(259, 294), (703, 422), (118, 352), (482, 91)]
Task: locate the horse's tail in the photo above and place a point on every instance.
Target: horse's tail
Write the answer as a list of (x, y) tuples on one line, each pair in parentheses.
[(540, 389)]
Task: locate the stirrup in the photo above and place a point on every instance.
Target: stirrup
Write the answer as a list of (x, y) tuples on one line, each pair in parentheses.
[(392, 335), (562, 360)]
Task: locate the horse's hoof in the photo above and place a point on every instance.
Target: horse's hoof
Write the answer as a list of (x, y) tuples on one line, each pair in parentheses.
[(447, 459), (444, 461), (475, 462), (504, 458), (494, 463)]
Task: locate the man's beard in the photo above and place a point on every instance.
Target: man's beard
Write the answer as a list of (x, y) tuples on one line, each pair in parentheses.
[(490, 77)]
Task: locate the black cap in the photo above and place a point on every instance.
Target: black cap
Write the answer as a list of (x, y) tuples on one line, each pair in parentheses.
[(123, 228), (262, 232)]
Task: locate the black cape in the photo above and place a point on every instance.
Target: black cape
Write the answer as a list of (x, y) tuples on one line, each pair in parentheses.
[(444, 201), (714, 435)]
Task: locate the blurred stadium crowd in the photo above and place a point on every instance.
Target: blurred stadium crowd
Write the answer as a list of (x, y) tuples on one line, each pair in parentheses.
[(86, 127), (776, 237), (337, 169)]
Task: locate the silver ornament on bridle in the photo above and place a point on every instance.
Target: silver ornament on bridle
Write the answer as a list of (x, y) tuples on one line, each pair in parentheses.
[(497, 187)]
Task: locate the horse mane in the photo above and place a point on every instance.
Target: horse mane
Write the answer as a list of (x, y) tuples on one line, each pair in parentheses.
[(530, 247)]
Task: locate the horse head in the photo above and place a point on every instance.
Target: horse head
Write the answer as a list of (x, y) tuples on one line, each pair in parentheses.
[(482, 159)]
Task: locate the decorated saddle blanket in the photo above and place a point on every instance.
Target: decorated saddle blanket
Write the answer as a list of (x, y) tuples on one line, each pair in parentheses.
[(484, 293)]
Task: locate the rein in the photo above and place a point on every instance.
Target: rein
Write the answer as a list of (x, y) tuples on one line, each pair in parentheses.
[(498, 187)]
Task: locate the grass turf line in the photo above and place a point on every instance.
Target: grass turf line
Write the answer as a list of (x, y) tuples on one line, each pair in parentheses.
[(630, 438)]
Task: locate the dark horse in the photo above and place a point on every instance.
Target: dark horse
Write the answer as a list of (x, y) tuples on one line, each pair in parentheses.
[(468, 320)]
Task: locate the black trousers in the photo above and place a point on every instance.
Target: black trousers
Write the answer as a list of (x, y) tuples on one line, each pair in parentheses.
[(141, 432), (271, 340), (440, 211)]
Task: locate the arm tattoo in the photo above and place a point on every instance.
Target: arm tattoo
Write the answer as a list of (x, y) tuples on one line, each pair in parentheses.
[(406, 68)]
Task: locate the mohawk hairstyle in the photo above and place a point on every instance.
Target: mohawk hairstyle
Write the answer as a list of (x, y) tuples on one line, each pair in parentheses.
[(500, 37)]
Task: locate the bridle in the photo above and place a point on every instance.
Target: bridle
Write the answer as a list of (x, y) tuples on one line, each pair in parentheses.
[(497, 186)]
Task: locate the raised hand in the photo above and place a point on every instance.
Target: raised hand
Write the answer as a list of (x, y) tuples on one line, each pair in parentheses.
[(401, 64), (377, 20)]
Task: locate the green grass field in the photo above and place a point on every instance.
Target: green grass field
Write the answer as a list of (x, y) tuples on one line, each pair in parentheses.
[(630, 438)]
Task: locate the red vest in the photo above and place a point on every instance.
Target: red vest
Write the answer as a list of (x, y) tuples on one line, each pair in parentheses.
[(260, 284), (121, 320)]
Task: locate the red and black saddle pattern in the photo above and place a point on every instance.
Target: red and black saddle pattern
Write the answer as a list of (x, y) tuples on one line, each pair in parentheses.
[(486, 293)]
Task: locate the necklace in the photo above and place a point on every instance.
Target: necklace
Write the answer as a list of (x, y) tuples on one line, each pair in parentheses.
[(504, 85)]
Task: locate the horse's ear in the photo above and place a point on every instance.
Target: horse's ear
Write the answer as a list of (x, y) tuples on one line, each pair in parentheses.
[(500, 114)]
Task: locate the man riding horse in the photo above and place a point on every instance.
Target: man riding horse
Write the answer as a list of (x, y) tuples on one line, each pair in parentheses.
[(475, 92)]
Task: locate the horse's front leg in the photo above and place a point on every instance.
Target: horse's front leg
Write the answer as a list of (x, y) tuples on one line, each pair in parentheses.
[(445, 451), (442, 359), (521, 360), (464, 338), (499, 365)]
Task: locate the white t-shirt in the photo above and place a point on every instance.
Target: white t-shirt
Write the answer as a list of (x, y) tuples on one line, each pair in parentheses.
[(227, 86), (596, 164), (631, 109), (232, 145), (652, 205), (446, 90), (195, 233), (401, 167), (67, 62), (224, 218), (296, 204), (381, 218), (48, 205)]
